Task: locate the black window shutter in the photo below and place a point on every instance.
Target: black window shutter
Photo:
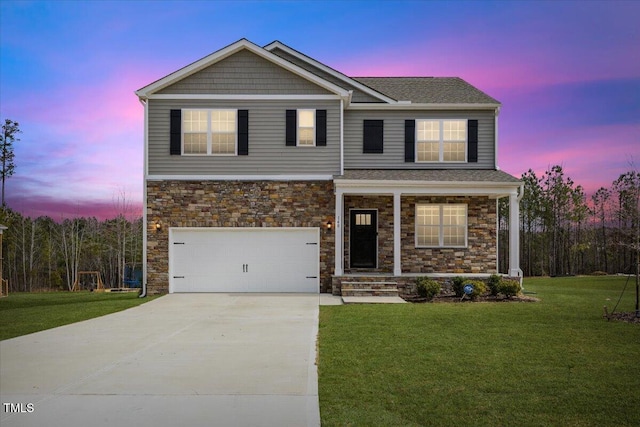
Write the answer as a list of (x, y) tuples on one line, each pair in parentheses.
[(291, 128), (472, 141), (243, 132), (372, 134), (175, 131), (321, 128), (409, 140)]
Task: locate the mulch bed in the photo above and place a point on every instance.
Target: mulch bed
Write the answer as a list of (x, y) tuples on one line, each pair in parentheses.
[(625, 317), (488, 298)]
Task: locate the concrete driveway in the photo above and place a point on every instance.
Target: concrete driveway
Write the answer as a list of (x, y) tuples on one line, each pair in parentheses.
[(181, 360)]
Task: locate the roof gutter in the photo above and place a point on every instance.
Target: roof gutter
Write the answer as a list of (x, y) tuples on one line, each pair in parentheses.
[(402, 105)]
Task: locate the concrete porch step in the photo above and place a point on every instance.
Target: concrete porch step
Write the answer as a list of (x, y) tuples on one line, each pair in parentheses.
[(372, 300), (369, 289)]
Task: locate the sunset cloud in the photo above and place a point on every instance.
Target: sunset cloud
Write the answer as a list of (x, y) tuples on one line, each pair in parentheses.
[(567, 74)]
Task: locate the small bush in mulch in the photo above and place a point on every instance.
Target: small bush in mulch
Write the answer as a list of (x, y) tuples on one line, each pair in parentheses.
[(494, 284), (427, 288), (509, 287)]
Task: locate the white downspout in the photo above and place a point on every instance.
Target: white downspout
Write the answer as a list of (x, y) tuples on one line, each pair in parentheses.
[(145, 172), (495, 130)]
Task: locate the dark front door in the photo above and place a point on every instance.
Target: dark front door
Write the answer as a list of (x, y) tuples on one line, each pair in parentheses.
[(363, 235)]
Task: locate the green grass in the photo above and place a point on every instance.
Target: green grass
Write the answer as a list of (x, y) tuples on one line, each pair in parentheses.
[(552, 363), (25, 313)]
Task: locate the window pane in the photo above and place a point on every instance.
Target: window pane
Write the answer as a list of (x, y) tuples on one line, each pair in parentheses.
[(428, 130), (305, 136), (428, 236), (194, 121), (454, 151), (223, 143), (428, 151), (195, 143), (223, 121), (306, 118), (428, 215), (453, 236), (453, 215), (454, 130)]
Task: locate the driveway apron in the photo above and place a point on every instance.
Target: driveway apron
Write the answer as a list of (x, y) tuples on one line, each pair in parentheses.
[(182, 359)]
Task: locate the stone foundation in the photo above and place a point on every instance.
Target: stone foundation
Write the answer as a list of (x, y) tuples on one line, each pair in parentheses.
[(235, 204)]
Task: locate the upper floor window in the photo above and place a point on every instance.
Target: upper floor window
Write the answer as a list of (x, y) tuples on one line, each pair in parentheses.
[(212, 132), (441, 225), (306, 128), (441, 140)]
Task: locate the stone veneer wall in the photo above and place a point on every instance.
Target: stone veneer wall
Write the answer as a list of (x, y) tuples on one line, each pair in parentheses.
[(235, 204), (478, 257), (384, 206)]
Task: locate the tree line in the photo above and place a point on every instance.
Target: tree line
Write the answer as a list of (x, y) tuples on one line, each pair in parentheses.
[(42, 254), (562, 232), (565, 232)]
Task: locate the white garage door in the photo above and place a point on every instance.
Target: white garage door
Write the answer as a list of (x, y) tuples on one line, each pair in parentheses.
[(244, 260)]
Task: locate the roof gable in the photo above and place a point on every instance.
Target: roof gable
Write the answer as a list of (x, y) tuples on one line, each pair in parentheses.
[(243, 44), (364, 92)]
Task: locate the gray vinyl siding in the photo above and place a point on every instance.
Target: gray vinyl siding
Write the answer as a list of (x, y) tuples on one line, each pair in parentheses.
[(358, 95), (268, 154), (393, 156), (244, 73)]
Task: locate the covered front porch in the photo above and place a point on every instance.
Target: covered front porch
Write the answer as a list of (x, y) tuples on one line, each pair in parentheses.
[(385, 233)]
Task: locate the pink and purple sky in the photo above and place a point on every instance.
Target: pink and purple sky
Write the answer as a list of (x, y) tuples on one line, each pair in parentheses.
[(567, 74)]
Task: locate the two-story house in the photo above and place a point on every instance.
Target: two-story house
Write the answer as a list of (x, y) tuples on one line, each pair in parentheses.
[(268, 171)]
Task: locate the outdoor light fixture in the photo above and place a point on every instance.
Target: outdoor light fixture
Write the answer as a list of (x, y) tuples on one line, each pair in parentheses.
[(158, 226), (329, 225)]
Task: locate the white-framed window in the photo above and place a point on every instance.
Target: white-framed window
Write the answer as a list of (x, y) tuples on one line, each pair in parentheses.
[(441, 225), (441, 140), (209, 132), (306, 128)]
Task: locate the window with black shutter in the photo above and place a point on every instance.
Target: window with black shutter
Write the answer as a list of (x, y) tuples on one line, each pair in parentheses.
[(372, 136)]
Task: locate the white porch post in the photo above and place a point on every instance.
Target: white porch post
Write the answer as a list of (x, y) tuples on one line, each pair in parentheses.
[(339, 246), (397, 251), (514, 236)]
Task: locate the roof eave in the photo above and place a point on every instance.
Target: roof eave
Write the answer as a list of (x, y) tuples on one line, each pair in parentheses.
[(458, 188), (404, 105)]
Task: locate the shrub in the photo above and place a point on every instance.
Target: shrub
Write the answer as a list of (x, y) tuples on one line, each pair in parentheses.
[(458, 284), (509, 287), (494, 284), (427, 288), (479, 288)]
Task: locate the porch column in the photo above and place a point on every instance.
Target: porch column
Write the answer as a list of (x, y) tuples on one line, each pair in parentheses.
[(514, 236), (397, 251), (339, 246)]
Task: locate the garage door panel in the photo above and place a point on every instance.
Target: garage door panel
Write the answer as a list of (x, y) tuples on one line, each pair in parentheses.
[(244, 260)]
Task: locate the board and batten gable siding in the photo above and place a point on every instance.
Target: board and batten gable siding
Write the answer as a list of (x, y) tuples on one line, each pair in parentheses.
[(393, 139), (268, 154), (358, 95), (244, 73)]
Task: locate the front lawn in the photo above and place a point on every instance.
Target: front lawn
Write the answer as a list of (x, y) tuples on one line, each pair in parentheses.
[(25, 313), (552, 363)]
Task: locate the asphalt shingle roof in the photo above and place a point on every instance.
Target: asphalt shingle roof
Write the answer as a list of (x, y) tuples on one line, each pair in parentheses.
[(428, 90), (440, 175)]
